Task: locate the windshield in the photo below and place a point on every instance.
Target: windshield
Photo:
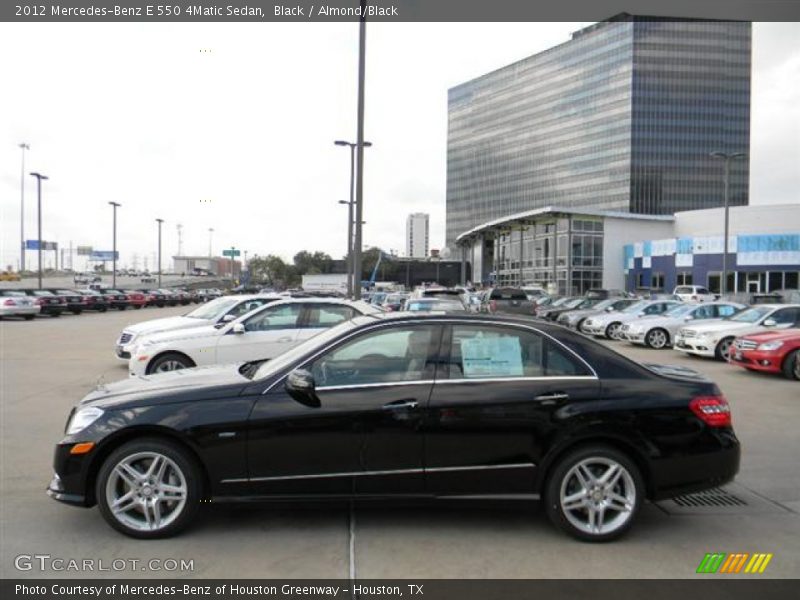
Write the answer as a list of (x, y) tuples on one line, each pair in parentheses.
[(588, 303), (213, 309), (574, 303), (680, 310), (635, 307), (751, 315), (271, 367), (42, 293), (604, 304)]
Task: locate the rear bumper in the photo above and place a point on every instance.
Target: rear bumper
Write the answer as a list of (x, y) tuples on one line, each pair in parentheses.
[(20, 311), (675, 476), (53, 309)]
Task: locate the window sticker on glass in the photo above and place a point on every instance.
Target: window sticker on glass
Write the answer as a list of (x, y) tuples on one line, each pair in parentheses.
[(492, 357)]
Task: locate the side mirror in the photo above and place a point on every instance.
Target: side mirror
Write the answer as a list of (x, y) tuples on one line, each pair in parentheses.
[(609, 309), (238, 328), (300, 385), (688, 318), (228, 318), (770, 323)]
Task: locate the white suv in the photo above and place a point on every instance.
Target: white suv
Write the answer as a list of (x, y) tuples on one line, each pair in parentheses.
[(694, 293)]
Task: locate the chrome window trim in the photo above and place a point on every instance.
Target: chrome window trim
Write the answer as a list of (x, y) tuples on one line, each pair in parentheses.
[(505, 379), (412, 321), (359, 386), (383, 472)]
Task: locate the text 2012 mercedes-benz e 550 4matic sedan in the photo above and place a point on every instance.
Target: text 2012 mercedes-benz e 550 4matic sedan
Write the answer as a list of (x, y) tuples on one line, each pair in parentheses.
[(398, 405)]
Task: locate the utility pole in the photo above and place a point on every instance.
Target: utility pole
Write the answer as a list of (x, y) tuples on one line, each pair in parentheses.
[(23, 146), (726, 174), (39, 178), (115, 205), (362, 51), (159, 221)]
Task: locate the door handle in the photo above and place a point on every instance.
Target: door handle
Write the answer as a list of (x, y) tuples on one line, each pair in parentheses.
[(400, 404), (550, 399)]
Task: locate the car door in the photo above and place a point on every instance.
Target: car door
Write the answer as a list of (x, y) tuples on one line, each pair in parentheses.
[(783, 318), (266, 334), (491, 411), (364, 437)]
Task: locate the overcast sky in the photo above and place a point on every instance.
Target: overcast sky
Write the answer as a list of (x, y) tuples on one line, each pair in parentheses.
[(240, 137)]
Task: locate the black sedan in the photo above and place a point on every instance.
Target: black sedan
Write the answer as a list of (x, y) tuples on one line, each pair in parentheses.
[(50, 303), (74, 300), (397, 405)]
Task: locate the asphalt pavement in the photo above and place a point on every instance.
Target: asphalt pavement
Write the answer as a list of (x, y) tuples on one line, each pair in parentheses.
[(48, 364)]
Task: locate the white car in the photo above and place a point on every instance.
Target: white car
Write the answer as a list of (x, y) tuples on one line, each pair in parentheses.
[(221, 310), (659, 331), (714, 339), (694, 293), (610, 324), (17, 304), (263, 333)]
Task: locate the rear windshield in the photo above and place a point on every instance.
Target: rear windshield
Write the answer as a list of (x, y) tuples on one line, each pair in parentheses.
[(508, 294)]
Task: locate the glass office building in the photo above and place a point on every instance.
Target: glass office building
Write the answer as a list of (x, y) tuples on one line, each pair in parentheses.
[(620, 118)]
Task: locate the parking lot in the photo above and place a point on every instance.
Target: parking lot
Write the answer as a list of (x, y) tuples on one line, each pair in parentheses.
[(49, 364)]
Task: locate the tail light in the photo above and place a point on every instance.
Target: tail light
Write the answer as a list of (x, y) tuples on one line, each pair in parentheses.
[(694, 297), (40, 301), (714, 411), (9, 302), (493, 305)]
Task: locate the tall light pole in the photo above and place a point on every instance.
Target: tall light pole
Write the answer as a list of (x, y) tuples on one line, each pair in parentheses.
[(23, 146), (354, 258), (726, 175), (349, 258), (159, 221), (210, 233), (114, 248), (39, 178)]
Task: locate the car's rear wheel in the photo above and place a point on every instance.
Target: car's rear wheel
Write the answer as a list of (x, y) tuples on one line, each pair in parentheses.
[(791, 365), (613, 330), (723, 349), (594, 493), (149, 488), (77, 311), (29, 317), (122, 307), (137, 306), (657, 338), (170, 362)]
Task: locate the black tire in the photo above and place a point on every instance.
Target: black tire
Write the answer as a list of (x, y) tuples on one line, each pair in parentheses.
[(654, 340), (579, 324), (723, 345), (29, 317), (183, 464), (791, 365), (77, 311), (162, 360), (104, 309), (122, 307), (610, 328), (561, 476), (137, 306), (55, 314)]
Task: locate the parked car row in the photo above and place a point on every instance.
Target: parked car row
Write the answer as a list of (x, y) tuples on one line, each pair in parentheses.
[(53, 302)]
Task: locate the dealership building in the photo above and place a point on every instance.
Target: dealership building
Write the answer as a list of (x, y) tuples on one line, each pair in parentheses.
[(573, 250)]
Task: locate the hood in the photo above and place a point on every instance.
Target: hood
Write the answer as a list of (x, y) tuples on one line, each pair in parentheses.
[(181, 334), (165, 324), (199, 383), (769, 336), (717, 325)]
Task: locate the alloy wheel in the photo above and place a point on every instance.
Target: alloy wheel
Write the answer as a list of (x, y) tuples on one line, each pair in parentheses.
[(613, 331), (657, 339), (598, 496), (146, 491), (169, 365), (724, 349)]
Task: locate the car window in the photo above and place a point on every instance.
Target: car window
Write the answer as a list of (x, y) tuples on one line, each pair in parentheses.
[(508, 294), (683, 290), (654, 309), (785, 316), (328, 315), (277, 317), (484, 352), (245, 307), (704, 312), (400, 354), (702, 290), (725, 310)]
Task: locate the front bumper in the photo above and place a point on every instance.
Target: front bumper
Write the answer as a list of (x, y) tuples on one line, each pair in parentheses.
[(121, 353), (56, 491), (696, 346), (21, 311), (634, 337), (70, 483), (767, 362), (594, 328)]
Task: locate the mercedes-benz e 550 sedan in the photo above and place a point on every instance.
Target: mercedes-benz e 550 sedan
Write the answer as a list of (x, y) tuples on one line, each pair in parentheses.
[(398, 405)]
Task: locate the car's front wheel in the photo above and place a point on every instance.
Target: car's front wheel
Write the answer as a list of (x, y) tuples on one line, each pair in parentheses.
[(613, 330), (723, 349), (149, 488), (170, 362), (791, 365), (594, 493), (657, 338)]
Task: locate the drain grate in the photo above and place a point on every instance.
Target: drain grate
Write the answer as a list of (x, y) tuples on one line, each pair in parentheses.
[(712, 497), (733, 499)]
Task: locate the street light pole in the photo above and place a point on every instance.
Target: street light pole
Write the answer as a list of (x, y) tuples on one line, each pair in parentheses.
[(233, 256), (210, 232), (726, 174), (349, 257), (23, 146), (352, 268), (115, 205), (39, 178), (159, 221), (362, 52)]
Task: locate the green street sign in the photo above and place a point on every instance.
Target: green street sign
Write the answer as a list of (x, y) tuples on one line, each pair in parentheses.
[(231, 253)]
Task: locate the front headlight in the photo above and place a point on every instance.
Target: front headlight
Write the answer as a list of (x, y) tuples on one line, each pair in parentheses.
[(83, 418), (768, 346)]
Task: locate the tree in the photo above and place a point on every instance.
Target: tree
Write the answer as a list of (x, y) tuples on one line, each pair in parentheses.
[(306, 263), (271, 270)]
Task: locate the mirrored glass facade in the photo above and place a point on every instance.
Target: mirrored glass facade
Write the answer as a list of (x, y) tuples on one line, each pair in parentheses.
[(621, 117)]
